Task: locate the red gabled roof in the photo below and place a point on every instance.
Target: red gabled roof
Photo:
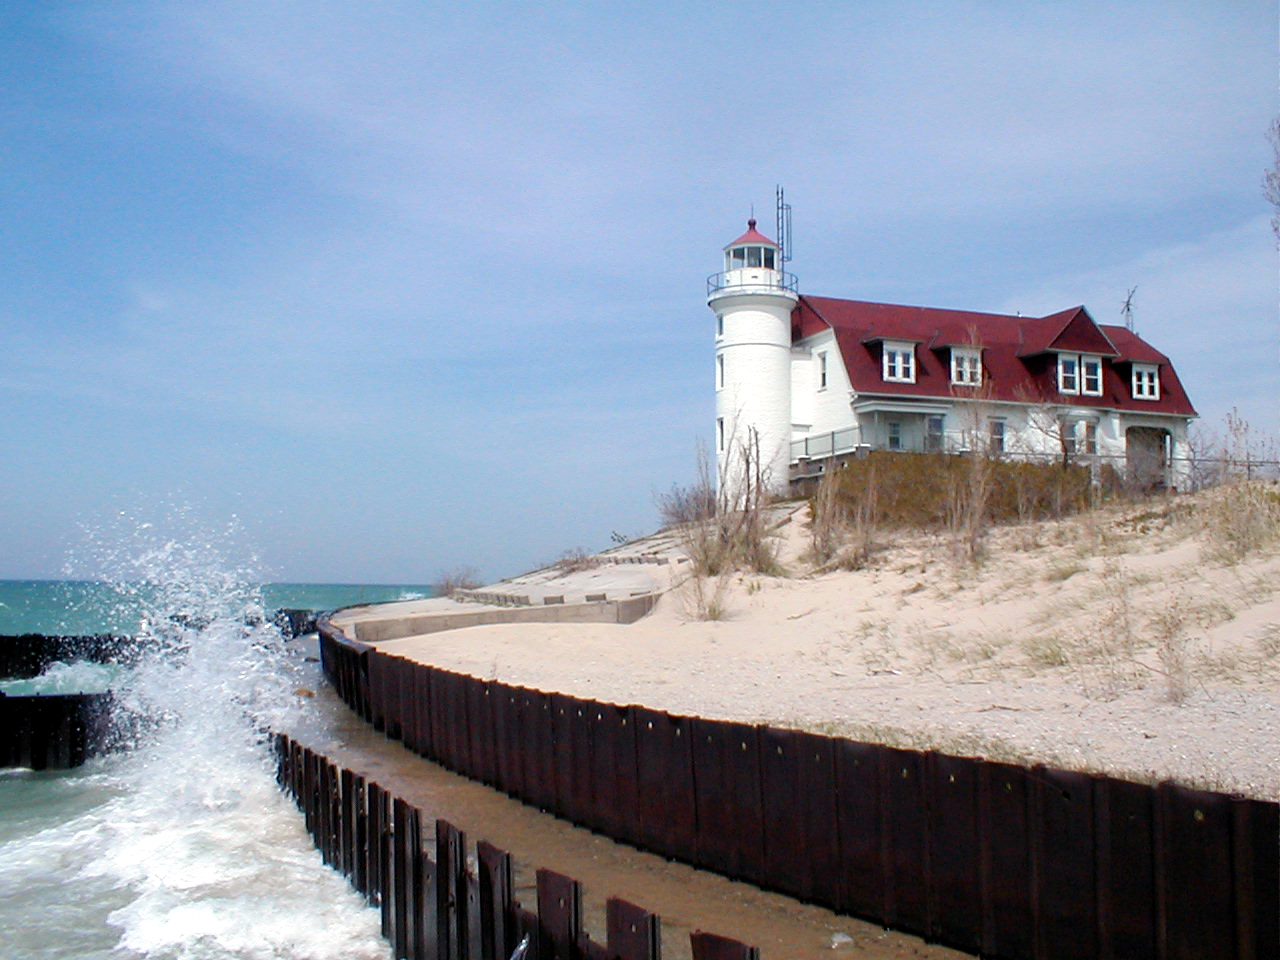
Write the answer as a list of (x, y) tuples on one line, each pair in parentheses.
[(1075, 333), (1017, 352), (751, 236)]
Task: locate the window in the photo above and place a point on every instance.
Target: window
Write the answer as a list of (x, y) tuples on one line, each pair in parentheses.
[(933, 434), (1146, 381), (995, 443), (899, 362), (1090, 432), (740, 257), (822, 371), (720, 434), (966, 367), (1077, 374), (1068, 373), (719, 325), (1092, 367), (719, 371), (895, 435)]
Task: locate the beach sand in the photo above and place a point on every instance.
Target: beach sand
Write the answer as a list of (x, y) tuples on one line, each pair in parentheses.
[(1120, 641)]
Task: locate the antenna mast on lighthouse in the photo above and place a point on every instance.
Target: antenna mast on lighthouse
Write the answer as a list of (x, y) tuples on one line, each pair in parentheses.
[(783, 231)]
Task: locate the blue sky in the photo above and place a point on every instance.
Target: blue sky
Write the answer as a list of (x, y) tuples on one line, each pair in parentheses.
[(405, 286)]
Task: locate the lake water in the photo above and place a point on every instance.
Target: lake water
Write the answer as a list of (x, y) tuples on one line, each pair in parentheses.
[(181, 847)]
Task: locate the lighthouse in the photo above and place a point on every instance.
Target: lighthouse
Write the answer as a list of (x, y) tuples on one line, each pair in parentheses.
[(752, 298)]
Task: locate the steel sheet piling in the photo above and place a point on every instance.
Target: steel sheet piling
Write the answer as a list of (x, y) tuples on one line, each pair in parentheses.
[(347, 823), (1256, 859), (1064, 870), (905, 839), (451, 892), (784, 834), (1196, 916), (711, 745), (559, 916), (954, 894), (664, 773), (497, 930), (710, 946), (815, 763), (862, 880), (1125, 862), (1005, 858), (989, 857), (632, 932)]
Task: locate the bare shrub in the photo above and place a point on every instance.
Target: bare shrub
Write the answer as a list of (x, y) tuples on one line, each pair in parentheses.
[(968, 505), (1173, 653), (735, 535), (864, 517), (693, 503), (933, 491), (577, 560), (450, 582), (1240, 518), (826, 521), (704, 597)]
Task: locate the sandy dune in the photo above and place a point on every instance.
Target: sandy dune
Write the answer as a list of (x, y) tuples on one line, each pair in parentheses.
[(1120, 641)]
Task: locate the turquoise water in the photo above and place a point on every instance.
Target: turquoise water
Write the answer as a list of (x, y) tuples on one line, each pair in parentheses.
[(81, 607), (181, 848)]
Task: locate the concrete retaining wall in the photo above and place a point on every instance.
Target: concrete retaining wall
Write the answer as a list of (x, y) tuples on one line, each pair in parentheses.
[(608, 611)]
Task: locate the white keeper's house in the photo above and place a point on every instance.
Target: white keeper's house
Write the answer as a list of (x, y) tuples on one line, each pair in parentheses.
[(807, 381)]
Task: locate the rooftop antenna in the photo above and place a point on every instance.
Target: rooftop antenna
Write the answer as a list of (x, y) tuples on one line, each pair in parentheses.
[(1127, 309), (784, 228)]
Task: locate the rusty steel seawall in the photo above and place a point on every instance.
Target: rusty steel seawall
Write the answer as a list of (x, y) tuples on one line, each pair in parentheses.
[(1023, 863), (433, 905), (52, 731)]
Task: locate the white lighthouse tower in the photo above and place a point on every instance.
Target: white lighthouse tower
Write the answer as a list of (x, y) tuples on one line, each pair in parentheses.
[(752, 299)]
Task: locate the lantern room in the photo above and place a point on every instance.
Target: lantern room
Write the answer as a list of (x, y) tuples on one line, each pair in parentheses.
[(752, 249)]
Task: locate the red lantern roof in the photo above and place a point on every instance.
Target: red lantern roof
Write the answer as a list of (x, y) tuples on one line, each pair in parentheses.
[(751, 236)]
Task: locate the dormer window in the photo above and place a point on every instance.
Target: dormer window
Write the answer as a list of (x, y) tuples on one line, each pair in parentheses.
[(1068, 373), (1091, 368), (1079, 374), (1146, 381), (899, 362), (966, 366)]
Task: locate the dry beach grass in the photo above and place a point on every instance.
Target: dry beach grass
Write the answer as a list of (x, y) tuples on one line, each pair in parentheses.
[(1142, 640)]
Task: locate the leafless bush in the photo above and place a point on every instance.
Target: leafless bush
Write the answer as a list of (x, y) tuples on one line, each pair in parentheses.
[(1240, 518), (826, 521), (968, 515), (863, 514), (577, 560), (735, 536), (704, 597), (450, 582), (1173, 652), (693, 503)]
